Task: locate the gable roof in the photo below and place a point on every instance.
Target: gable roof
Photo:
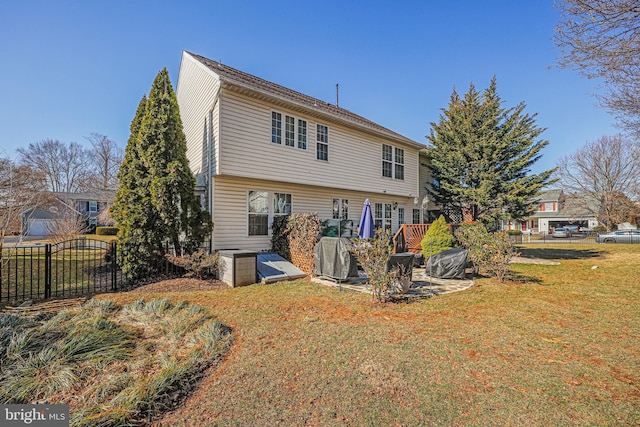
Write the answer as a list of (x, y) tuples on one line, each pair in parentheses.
[(549, 196), (233, 78)]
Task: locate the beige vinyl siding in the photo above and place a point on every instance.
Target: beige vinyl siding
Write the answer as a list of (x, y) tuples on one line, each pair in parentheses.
[(196, 93), (230, 207), (355, 157)]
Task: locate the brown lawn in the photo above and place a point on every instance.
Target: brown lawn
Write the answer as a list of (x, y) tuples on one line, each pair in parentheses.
[(558, 345)]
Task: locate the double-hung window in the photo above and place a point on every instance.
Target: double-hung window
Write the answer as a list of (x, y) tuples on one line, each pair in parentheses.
[(258, 213), (392, 162), (92, 206), (281, 204), (387, 161), (290, 131), (382, 215), (399, 163), (295, 130), (276, 127), (262, 207), (302, 134), (340, 209), (322, 142)]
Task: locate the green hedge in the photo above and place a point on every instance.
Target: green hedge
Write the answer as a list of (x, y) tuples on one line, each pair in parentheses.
[(106, 231)]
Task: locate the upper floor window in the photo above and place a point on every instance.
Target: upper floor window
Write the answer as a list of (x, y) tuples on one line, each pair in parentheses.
[(276, 128), (92, 206), (548, 207), (399, 172), (302, 134), (392, 162), (295, 130), (289, 131), (322, 143), (387, 161)]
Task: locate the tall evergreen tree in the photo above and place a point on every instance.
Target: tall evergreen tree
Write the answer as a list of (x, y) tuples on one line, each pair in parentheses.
[(156, 202), (481, 158)]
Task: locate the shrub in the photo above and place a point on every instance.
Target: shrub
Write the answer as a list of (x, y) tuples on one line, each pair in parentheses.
[(198, 264), (499, 251), (438, 238), (514, 232), (474, 237), (599, 228), (106, 231), (373, 255), (294, 238)]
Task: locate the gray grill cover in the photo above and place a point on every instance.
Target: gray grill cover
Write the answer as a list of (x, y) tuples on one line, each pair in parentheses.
[(333, 258), (448, 264)]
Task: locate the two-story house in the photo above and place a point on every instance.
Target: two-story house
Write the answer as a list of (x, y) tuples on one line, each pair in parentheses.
[(261, 150), (555, 209), (84, 207)]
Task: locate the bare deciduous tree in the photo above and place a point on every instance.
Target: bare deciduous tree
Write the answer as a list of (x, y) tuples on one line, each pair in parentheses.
[(106, 158), (20, 188), (64, 166), (606, 173), (601, 39)]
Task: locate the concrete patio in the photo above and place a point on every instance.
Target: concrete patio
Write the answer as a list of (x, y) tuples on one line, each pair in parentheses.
[(422, 285)]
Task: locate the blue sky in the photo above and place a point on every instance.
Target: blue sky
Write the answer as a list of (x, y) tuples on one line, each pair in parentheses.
[(70, 68)]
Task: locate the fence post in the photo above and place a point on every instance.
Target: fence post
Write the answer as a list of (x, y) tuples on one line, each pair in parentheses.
[(114, 267), (47, 270)]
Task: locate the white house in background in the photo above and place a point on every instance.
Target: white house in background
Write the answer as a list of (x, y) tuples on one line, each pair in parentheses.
[(261, 150), (555, 209)]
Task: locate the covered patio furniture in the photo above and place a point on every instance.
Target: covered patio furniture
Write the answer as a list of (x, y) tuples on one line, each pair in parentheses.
[(333, 258), (449, 264)]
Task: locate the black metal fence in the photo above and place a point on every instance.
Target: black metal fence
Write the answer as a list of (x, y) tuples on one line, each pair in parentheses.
[(574, 238), (71, 268)]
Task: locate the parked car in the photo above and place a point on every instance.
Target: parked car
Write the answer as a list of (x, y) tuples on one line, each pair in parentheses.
[(621, 236), (572, 228), (561, 232)]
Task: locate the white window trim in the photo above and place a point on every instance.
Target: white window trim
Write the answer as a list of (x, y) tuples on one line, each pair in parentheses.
[(393, 161), (296, 131), (322, 143), (270, 214), (341, 201)]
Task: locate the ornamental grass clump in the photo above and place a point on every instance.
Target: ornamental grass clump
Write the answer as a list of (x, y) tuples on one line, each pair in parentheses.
[(113, 365)]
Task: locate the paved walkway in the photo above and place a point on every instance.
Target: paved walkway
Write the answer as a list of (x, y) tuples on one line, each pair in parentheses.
[(422, 285)]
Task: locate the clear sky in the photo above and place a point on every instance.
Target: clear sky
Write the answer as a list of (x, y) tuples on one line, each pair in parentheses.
[(70, 68)]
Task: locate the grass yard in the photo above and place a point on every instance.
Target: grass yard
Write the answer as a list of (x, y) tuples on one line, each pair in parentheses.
[(556, 346)]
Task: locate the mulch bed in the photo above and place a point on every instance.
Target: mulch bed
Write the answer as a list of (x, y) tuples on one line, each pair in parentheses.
[(181, 285)]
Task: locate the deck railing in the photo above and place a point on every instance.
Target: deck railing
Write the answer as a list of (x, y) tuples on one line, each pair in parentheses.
[(408, 238)]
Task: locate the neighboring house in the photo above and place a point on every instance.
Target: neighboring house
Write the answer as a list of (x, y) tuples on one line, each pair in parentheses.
[(85, 207), (260, 150), (555, 209)]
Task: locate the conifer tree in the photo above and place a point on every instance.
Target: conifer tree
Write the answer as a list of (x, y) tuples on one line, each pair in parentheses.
[(156, 202), (482, 155), (438, 238)]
